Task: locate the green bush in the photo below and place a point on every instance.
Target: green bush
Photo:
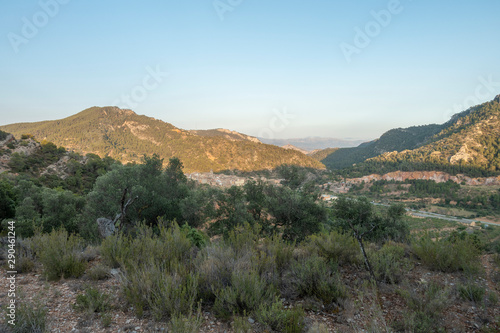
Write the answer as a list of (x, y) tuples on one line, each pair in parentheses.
[(389, 263), (173, 294), (447, 255), (314, 276), (425, 308), (165, 245), (60, 254), (279, 319), (195, 236), (115, 249), (98, 272), (245, 294), (241, 324), (341, 248), (471, 292), (215, 264), (92, 301), (189, 323), (163, 291), (30, 318)]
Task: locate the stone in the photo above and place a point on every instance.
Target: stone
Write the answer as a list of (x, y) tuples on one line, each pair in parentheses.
[(106, 227)]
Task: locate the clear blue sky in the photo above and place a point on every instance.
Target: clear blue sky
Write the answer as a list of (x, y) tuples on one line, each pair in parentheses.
[(264, 57)]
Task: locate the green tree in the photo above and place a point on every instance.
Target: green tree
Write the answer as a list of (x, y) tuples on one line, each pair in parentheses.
[(7, 200), (295, 213)]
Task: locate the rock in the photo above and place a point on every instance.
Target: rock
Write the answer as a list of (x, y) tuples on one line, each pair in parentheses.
[(106, 227)]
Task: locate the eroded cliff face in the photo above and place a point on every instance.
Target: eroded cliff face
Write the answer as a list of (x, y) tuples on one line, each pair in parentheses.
[(437, 176)]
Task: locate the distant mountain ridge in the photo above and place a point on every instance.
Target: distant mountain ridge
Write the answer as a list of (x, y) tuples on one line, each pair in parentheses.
[(126, 136), (311, 144), (469, 140)]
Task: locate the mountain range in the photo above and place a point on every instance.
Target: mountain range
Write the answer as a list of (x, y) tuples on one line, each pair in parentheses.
[(127, 136), (311, 144), (468, 143)]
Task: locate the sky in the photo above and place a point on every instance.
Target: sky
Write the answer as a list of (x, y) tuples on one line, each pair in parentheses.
[(274, 69)]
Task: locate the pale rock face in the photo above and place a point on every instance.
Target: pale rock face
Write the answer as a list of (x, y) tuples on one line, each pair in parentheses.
[(106, 227)]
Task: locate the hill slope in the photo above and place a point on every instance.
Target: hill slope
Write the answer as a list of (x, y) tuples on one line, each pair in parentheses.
[(394, 140), (126, 136), (469, 140)]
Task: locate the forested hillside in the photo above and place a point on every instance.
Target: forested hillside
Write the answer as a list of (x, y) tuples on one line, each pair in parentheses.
[(468, 143), (126, 136)]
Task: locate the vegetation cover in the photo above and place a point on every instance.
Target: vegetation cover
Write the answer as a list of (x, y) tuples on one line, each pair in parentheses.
[(468, 143), (126, 136)]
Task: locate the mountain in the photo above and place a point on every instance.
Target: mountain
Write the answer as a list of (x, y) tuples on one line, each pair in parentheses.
[(321, 154), (295, 148), (126, 136), (469, 142), (398, 139), (470, 138), (313, 143), (225, 133)]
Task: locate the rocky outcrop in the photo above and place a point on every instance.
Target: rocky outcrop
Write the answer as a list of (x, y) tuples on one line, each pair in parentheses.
[(437, 176), (106, 227)]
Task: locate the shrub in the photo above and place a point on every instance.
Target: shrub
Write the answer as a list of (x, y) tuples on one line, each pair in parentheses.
[(241, 324), (92, 301), (189, 323), (425, 308), (60, 254), (244, 237), (114, 249), (217, 262), (166, 246), (273, 258), (280, 319), (338, 247), (173, 295), (30, 317), (447, 255), (98, 272), (316, 277), (389, 263), (164, 292), (471, 292), (246, 292), (195, 236)]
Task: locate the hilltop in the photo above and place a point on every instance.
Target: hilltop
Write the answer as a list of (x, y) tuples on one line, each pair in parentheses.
[(127, 136)]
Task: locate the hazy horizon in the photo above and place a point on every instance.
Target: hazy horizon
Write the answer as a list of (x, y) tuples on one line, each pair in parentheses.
[(282, 69)]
